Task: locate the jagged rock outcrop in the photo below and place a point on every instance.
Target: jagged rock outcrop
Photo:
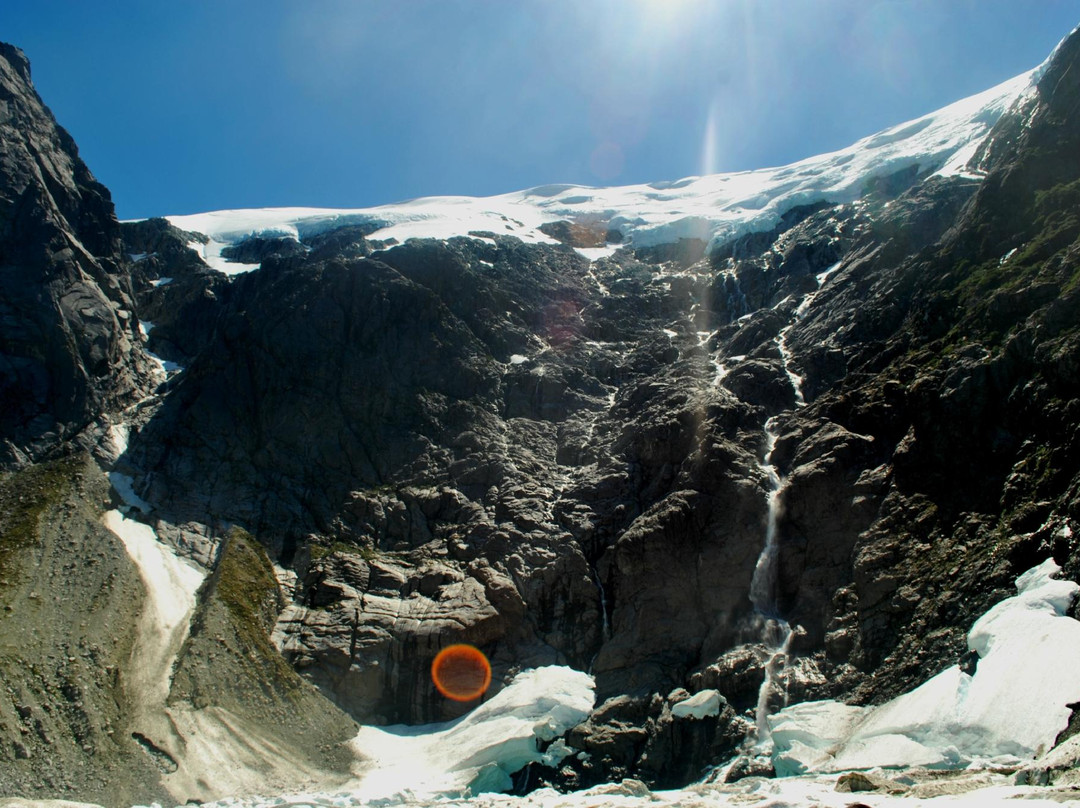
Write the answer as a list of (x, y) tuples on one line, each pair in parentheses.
[(178, 297), (67, 345), (661, 741)]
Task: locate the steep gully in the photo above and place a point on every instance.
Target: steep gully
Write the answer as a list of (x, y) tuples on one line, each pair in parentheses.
[(776, 632)]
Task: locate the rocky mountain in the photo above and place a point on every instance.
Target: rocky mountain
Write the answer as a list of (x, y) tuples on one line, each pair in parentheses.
[(69, 331), (789, 454)]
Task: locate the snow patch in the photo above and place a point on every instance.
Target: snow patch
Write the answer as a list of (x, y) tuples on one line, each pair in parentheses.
[(125, 487), (166, 367), (596, 253), (171, 584)]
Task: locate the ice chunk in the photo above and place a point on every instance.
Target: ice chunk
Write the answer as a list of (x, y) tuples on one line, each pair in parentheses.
[(705, 704), (804, 735)]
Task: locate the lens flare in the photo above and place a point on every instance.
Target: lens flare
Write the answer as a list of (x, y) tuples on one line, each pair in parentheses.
[(461, 672)]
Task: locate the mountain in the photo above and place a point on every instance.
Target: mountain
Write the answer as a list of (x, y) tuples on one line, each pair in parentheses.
[(727, 443)]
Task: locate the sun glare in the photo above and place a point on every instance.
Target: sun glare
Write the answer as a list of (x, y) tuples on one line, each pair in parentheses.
[(668, 12)]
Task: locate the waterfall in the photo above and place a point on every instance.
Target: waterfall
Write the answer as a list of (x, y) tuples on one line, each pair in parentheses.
[(785, 358), (763, 584), (737, 304), (605, 625), (781, 339), (776, 634)]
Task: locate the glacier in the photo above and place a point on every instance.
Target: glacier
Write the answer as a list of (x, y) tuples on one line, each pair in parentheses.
[(713, 208), (1001, 714)]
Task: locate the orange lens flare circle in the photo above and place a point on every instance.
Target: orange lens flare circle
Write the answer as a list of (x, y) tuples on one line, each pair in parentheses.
[(461, 672)]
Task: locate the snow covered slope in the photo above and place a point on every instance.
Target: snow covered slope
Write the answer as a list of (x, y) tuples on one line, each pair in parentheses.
[(712, 208)]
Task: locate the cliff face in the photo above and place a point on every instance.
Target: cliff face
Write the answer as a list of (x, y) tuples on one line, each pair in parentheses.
[(863, 423), (67, 346)]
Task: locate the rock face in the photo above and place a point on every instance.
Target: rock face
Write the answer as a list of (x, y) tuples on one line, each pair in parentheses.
[(561, 460), (67, 354)]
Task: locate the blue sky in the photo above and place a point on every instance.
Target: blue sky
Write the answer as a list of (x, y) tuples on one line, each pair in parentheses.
[(197, 105)]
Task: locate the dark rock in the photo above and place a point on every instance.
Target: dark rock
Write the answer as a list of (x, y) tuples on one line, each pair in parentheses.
[(349, 241), (628, 738), (256, 249), (68, 344), (580, 234)]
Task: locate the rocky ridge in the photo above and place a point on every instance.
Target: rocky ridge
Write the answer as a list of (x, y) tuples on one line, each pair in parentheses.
[(565, 460), (69, 355)]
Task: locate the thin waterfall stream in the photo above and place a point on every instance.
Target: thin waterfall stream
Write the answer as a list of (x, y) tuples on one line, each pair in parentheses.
[(776, 633)]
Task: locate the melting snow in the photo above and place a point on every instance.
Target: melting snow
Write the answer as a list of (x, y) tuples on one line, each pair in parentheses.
[(171, 584), (596, 253), (211, 252), (125, 487)]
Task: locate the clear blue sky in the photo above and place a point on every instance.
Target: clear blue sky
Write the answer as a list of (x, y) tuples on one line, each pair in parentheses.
[(194, 105)]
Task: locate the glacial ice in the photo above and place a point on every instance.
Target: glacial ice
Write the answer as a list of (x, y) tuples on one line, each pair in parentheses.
[(481, 750), (712, 208), (705, 704), (1012, 707)]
